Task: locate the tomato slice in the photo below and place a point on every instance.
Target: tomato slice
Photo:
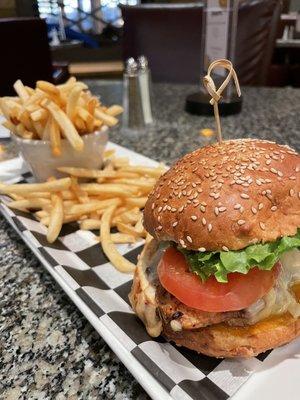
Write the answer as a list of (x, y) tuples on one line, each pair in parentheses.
[(240, 292)]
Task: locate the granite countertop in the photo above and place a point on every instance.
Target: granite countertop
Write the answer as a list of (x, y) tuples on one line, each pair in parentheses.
[(47, 348)]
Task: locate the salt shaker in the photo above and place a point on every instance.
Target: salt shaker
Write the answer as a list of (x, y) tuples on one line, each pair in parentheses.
[(136, 97), (145, 87)]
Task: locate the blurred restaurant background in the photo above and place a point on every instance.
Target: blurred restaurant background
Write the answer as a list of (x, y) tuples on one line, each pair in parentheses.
[(54, 39)]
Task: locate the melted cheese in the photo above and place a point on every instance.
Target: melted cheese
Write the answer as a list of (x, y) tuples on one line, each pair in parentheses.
[(281, 298)]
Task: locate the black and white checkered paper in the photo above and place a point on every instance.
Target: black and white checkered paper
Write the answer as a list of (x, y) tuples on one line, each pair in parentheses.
[(78, 259)]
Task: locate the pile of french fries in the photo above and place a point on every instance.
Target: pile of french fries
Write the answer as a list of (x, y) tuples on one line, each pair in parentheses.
[(51, 113), (112, 197)]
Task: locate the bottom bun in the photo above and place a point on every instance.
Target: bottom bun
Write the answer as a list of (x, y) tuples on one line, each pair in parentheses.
[(221, 340)]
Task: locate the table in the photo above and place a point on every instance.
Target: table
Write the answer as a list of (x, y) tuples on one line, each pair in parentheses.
[(48, 349)]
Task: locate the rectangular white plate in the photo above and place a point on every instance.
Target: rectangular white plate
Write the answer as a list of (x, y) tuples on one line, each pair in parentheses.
[(78, 264)]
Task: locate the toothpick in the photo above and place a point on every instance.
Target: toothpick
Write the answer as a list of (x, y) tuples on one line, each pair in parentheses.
[(216, 93)]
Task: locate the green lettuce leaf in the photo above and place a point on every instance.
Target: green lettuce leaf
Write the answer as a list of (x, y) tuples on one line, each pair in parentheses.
[(221, 263)]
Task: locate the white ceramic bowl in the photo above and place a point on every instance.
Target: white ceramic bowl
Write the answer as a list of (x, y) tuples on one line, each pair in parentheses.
[(38, 155)]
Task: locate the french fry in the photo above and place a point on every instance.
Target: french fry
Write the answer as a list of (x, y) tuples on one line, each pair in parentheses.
[(25, 120), (87, 118), (10, 126), (34, 99), (65, 125), (5, 108), (91, 105), (73, 100), (136, 201), (120, 262), (148, 171), (21, 90), (38, 127), (28, 204), (55, 138), (21, 131), (93, 206), (109, 153), (87, 173), (41, 214), (90, 224), (53, 186), (121, 238), (128, 229), (39, 115), (108, 189), (114, 110), (130, 217), (107, 119), (80, 194), (79, 124), (56, 218), (30, 91), (47, 87)]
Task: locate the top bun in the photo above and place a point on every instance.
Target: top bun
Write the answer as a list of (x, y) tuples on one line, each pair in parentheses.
[(227, 196)]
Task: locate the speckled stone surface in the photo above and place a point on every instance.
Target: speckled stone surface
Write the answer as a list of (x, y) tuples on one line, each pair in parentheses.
[(47, 348)]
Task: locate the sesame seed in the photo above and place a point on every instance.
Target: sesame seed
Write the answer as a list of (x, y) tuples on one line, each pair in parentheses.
[(153, 205), (258, 182), (244, 196), (216, 211), (202, 208), (237, 206), (292, 178), (241, 222), (175, 224), (254, 210), (260, 206), (292, 192), (159, 228), (225, 248), (209, 227), (222, 209), (273, 208), (202, 249), (273, 170), (180, 209), (182, 242), (268, 162), (203, 221), (262, 226), (189, 239), (194, 217)]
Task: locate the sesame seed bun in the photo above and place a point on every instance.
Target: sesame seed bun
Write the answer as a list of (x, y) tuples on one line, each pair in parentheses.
[(227, 196)]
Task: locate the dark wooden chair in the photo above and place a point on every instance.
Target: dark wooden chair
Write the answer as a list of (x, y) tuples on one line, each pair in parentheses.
[(26, 54), (169, 35)]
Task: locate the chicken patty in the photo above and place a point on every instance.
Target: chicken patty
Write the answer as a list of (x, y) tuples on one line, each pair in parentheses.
[(189, 318)]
